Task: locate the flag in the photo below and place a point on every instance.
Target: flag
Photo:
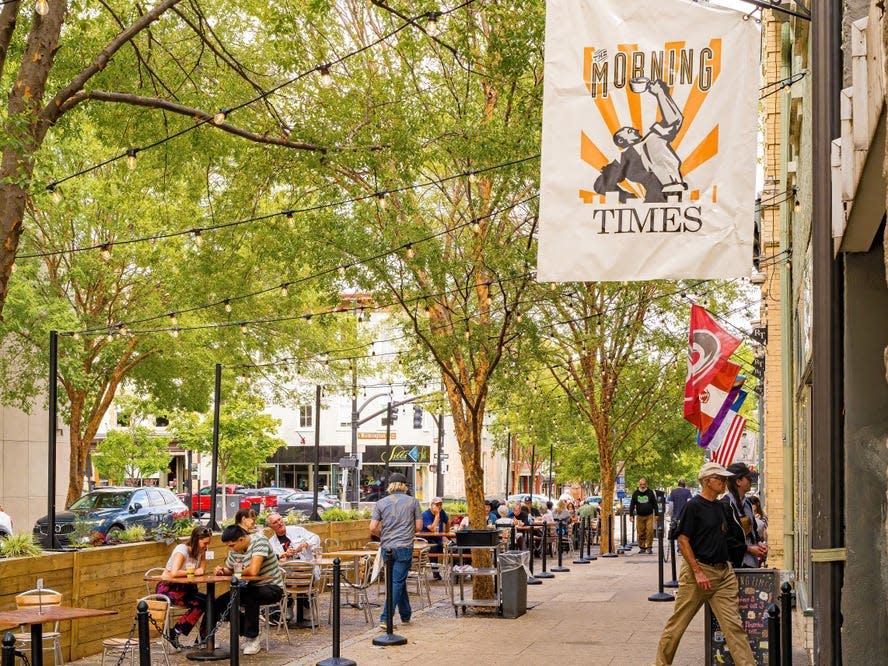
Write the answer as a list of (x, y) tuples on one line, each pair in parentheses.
[(715, 395), (724, 444), (731, 403), (709, 347)]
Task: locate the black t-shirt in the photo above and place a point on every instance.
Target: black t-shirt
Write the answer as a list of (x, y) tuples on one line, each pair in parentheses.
[(706, 526)]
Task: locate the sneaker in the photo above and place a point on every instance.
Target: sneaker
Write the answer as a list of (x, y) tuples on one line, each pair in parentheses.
[(384, 625), (252, 645), (403, 621), (175, 646)]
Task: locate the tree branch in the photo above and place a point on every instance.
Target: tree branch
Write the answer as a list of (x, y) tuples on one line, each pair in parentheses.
[(8, 18)]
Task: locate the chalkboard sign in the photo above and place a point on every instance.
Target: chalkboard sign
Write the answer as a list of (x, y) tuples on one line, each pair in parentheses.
[(759, 588)]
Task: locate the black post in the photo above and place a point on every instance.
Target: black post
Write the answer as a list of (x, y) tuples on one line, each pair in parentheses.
[(786, 622), (560, 568), (188, 484), (390, 637), (532, 579), (774, 647), (217, 395), (634, 541), (53, 425), (623, 529), (315, 516), (336, 660), (234, 621), (674, 581), (512, 545), (439, 477), (661, 595), (582, 526), (142, 627), (551, 460), (610, 537), (8, 649), (589, 556), (508, 463), (545, 547), (388, 442)]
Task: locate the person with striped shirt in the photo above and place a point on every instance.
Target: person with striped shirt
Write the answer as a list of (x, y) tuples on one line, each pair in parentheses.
[(252, 555)]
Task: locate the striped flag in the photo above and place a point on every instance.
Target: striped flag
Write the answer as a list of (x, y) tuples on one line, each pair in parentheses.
[(724, 443), (715, 395)]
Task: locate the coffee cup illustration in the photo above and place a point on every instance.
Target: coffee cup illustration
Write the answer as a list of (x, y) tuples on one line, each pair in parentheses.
[(640, 84)]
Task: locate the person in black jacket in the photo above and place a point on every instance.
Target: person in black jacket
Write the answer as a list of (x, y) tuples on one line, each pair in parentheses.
[(643, 507)]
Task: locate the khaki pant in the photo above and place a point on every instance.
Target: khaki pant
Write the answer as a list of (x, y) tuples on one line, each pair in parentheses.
[(644, 525), (722, 599)]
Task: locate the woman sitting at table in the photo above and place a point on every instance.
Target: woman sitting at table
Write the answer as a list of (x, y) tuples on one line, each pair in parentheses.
[(246, 518), (186, 560)]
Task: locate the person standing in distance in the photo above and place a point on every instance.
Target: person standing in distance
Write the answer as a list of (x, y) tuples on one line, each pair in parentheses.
[(395, 520), (643, 508), (706, 573)]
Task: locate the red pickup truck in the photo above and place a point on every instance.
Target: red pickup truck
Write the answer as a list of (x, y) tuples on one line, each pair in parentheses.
[(200, 501)]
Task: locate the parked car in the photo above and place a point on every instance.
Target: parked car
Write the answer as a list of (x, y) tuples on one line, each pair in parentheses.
[(303, 501), (111, 510), (594, 500), (537, 499), (249, 499), (5, 524)]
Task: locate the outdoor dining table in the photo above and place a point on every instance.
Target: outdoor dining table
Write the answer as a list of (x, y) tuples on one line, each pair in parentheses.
[(37, 616), (211, 653)]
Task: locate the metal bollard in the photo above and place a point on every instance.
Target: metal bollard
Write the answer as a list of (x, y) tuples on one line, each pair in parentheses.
[(545, 546), (512, 545), (580, 559), (786, 621), (8, 649), (390, 637), (773, 631), (532, 579), (336, 660), (144, 642), (674, 581), (660, 595), (623, 529), (634, 541), (234, 621), (560, 568), (589, 555), (610, 533)]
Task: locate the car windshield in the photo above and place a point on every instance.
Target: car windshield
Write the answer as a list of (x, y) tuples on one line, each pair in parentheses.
[(94, 501)]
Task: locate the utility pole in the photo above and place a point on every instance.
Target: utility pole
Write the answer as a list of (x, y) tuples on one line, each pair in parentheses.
[(439, 481), (355, 474), (508, 461)]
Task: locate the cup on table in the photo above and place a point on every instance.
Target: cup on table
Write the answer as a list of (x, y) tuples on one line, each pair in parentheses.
[(189, 571), (238, 569)]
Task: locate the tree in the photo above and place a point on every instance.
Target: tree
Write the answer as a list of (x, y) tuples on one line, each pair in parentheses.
[(246, 436), (133, 453)]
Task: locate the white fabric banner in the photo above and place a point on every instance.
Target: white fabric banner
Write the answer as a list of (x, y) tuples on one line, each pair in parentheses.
[(649, 141)]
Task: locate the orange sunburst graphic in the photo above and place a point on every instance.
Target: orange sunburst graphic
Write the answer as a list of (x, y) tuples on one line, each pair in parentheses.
[(673, 66)]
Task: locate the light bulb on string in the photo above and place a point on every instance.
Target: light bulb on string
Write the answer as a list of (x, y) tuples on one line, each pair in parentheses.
[(476, 227), (243, 327), (220, 117), (308, 319), (325, 79), (342, 271), (42, 7), (196, 237), (380, 199), (227, 305), (75, 335), (131, 159), (174, 332), (433, 26), (174, 321), (797, 206), (289, 215), (285, 291), (409, 251), (105, 252), (472, 178), (55, 193)]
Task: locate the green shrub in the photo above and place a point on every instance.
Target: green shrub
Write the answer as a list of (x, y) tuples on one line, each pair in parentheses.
[(294, 517), (20, 545), (81, 533), (338, 515), (134, 533), (456, 508)]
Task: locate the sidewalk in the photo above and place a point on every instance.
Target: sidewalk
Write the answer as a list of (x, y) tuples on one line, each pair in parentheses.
[(597, 613)]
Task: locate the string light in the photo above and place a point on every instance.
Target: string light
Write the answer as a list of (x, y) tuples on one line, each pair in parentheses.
[(227, 305), (42, 7), (380, 199), (75, 336), (341, 271), (243, 327), (325, 79), (433, 27), (55, 192), (196, 237), (289, 215), (131, 158), (476, 227), (409, 251), (174, 332), (174, 321), (220, 117), (105, 251), (285, 291), (797, 206)]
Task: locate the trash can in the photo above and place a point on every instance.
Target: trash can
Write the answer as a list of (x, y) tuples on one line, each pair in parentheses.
[(512, 567)]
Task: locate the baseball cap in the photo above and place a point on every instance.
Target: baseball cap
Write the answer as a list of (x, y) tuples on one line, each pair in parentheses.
[(740, 470), (528, 498), (436, 500), (397, 478), (713, 469)]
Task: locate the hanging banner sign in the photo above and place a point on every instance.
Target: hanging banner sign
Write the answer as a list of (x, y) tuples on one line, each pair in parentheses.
[(649, 141)]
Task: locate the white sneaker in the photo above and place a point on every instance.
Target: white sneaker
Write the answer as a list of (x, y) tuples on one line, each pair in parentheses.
[(252, 645)]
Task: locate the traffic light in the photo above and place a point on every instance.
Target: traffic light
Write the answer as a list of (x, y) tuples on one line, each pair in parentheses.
[(417, 417), (391, 416)]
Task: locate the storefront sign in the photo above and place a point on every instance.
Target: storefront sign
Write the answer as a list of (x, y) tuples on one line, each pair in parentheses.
[(400, 454), (377, 435)]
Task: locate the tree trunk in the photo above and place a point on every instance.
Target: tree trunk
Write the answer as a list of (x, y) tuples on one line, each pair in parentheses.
[(605, 456)]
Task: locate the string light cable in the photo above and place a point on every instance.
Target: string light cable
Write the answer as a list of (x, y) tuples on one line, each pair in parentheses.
[(218, 119), (784, 84)]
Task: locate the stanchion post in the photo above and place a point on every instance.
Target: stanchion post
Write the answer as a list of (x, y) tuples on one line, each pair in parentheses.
[(532, 579), (786, 622), (580, 559), (589, 556), (142, 628), (774, 630), (634, 541), (545, 547), (234, 622), (8, 649), (560, 568), (336, 660), (390, 637), (674, 581), (660, 595), (512, 545)]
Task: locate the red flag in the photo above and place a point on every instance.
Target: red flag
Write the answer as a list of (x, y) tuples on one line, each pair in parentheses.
[(709, 348), (724, 454)]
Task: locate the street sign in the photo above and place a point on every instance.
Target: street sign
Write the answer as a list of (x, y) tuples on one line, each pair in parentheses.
[(621, 494), (348, 463)]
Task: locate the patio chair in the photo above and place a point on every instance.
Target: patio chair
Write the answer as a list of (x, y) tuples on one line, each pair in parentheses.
[(331, 544), (159, 617), (367, 577), (419, 574), (300, 583), (265, 614), (44, 597), (151, 587)]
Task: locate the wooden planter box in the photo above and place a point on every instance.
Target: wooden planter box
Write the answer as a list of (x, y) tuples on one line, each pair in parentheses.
[(110, 577)]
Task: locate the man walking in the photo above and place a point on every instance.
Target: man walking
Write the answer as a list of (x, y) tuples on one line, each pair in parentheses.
[(706, 573), (643, 508), (395, 520)]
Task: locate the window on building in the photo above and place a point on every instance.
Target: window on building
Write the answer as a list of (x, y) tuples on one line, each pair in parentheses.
[(305, 416)]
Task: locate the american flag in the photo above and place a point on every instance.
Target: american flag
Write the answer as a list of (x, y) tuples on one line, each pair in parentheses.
[(724, 445)]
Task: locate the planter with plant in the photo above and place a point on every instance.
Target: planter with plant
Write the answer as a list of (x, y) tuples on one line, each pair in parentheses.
[(20, 545)]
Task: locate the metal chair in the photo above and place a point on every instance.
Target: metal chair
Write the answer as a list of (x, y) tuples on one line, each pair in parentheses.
[(42, 597), (159, 619), (300, 582), (265, 614), (359, 590), (419, 574)]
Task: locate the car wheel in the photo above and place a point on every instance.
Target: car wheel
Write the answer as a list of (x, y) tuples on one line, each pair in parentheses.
[(114, 532)]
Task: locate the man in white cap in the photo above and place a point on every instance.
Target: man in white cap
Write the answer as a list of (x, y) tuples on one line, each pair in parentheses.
[(706, 573)]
